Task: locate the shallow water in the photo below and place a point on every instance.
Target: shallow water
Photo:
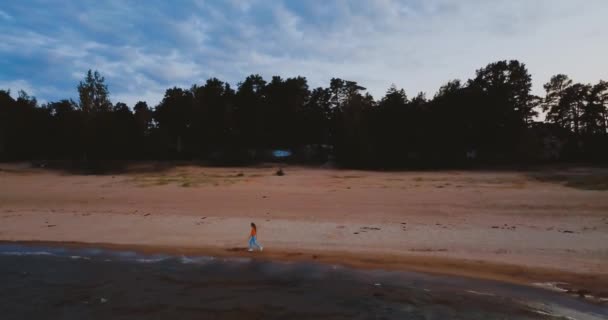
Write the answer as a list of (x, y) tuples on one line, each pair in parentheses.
[(62, 283)]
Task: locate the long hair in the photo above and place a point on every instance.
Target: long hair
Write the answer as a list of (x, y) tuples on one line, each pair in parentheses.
[(253, 226)]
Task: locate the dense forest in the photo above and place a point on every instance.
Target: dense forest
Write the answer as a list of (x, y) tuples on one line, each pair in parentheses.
[(489, 119)]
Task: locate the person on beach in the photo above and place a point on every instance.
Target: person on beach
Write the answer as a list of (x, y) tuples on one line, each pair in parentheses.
[(252, 238)]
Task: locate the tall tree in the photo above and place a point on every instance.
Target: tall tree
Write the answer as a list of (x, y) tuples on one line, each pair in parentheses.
[(213, 113), (315, 117), (350, 109), (554, 105), (285, 100), (143, 118), (174, 116), (504, 107), (67, 128), (390, 128), (595, 114), (565, 103), (250, 105), (93, 92), (6, 103), (508, 84)]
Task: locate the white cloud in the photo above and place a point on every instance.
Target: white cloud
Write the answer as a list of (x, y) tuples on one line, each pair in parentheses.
[(424, 44), (5, 16), (418, 44), (193, 31)]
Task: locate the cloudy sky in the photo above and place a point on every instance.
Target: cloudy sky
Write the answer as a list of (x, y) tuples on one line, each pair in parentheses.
[(144, 47)]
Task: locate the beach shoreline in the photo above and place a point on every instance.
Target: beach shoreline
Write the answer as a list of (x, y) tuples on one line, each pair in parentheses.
[(84, 281), (590, 287), (520, 227)]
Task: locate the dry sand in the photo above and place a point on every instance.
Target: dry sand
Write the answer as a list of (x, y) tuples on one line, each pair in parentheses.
[(489, 224)]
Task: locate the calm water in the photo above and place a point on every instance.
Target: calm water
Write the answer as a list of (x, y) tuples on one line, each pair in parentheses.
[(60, 283)]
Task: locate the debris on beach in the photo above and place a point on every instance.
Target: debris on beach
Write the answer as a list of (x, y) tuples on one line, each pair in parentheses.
[(370, 228)]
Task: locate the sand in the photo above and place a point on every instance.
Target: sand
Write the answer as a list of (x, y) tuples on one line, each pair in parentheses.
[(505, 225)]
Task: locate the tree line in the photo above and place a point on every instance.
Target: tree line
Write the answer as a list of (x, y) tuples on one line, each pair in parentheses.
[(489, 118)]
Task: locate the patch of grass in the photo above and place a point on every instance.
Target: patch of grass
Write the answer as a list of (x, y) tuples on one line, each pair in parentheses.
[(582, 181), (187, 180), (346, 177), (21, 172), (428, 250)]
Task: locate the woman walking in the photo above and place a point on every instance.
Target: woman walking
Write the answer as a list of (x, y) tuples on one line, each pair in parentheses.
[(252, 238)]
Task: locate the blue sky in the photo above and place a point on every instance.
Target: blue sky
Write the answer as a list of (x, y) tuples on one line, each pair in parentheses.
[(145, 47)]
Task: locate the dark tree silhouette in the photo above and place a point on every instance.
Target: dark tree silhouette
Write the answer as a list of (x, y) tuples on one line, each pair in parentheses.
[(174, 116), (250, 106), (581, 110), (67, 127), (491, 118), (93, 92)]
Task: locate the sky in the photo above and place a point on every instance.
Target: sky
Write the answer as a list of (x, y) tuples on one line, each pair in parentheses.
[(145, 47)]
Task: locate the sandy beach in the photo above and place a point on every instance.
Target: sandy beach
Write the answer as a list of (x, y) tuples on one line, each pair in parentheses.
[(524, 227)]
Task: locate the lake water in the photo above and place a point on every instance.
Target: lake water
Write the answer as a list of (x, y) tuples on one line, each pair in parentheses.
[(87, 283)]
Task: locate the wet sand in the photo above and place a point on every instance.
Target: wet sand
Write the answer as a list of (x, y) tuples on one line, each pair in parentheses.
[(502, 225)]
